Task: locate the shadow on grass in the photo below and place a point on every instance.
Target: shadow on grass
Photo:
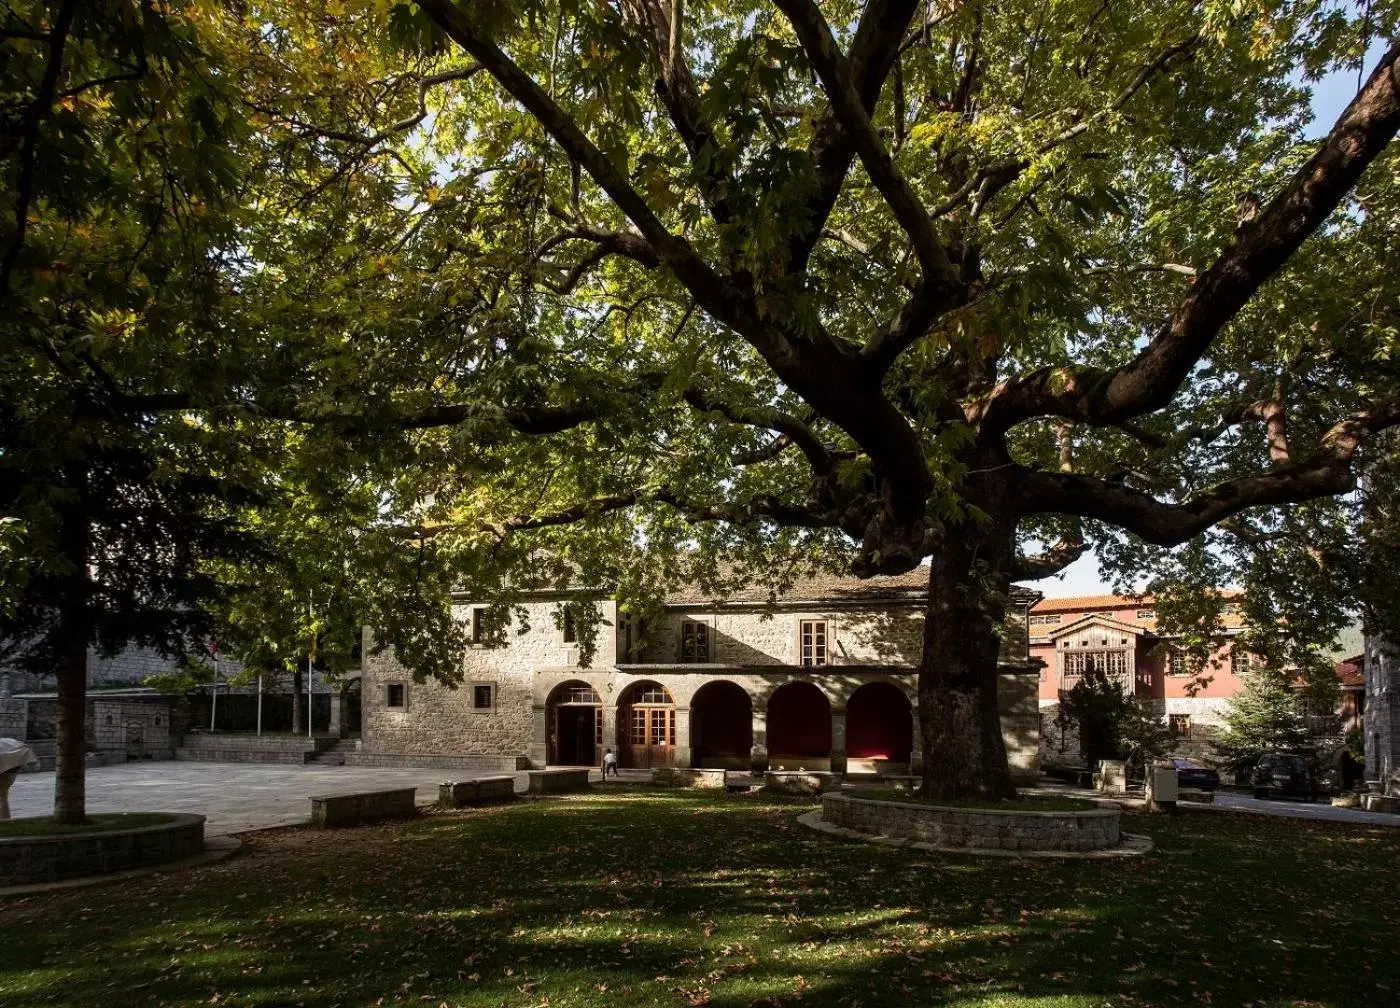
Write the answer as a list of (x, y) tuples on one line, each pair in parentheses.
[(646, 898)]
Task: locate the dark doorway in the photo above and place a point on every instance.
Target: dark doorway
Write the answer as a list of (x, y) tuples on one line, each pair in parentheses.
[(721, 726), (575, 718), (352, 709), (799, 727)]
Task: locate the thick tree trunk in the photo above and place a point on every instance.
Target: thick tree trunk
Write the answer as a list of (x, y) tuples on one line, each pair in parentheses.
[(964, 752), (70, 781)]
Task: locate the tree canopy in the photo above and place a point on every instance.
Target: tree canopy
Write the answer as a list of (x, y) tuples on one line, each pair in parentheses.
[(620, 294)]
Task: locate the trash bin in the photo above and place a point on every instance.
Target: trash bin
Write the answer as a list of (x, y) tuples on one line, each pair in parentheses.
[(1161, 785)]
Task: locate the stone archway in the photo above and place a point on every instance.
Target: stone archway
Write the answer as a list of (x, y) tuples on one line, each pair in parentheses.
[(574, 720), (799, 728), (879, 728), (721, 726), (646, 726)]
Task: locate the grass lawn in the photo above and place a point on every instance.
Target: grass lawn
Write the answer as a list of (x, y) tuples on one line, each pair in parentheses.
[(44, 825), (634, 897)]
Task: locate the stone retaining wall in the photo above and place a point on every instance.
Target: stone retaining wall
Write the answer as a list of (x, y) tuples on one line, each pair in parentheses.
[(353, 808), (33, 859), (409, 761), (986, 829), (458, 794), (249, 748)]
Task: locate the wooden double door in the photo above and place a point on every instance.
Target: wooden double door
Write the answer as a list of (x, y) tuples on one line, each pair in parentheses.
[(646, 727)]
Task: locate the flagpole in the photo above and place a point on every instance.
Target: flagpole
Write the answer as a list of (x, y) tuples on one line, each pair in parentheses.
[(259, 706), (214, 691)]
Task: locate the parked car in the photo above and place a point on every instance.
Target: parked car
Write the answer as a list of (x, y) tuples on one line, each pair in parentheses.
[(1278, 775), (1190, 774)]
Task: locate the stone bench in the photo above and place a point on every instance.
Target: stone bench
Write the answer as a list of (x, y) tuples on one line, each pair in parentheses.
[(1382, 803), (355, 807), (1196, 795), (805, 782), (460, 794), (688, 778), (557, 781)]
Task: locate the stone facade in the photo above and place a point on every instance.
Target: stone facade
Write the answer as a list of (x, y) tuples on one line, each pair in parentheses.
[(1382, 714), (982, 829), (532, 699)]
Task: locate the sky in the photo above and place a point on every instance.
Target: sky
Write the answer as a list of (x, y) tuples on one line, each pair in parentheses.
[(1330, 96)]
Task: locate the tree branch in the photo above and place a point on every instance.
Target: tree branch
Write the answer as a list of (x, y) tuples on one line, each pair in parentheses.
[(606, 243), (757, 416), (834, 72), (1327, 473), (1259, 251), (874, 49), (717, 296)]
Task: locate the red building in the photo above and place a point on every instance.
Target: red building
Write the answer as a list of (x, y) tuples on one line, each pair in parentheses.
[(1119, 635)]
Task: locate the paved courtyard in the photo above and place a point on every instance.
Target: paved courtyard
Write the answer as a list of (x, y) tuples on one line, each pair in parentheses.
[(1304, 810), (233, 796)]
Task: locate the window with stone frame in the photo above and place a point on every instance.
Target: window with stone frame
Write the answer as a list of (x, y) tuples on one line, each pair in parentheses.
[(483, 696), (813, 638), (396, 695), (570, 627), (695, 642), (1180, 725), (480, 625)]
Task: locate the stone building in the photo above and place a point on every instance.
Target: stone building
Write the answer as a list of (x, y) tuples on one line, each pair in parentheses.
[(821, 678), (1381, 714)]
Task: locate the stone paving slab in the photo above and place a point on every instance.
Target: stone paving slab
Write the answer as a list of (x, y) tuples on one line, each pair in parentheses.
[(232, 796)]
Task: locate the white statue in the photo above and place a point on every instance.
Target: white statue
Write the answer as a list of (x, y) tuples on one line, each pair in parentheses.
[(14, 756)]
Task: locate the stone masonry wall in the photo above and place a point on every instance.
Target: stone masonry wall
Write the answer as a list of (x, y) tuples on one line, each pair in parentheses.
[(983, 829), (439, 719), (748, 635)]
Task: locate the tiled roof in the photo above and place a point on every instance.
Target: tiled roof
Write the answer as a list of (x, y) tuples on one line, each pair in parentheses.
[(824, 587), (1350, 672)]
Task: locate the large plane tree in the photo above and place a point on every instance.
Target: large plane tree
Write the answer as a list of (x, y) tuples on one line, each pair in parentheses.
[(951, 280)]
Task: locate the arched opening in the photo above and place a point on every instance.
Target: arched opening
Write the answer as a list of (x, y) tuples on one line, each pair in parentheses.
[(799, 728), (721, 726), (646, 726), (574, 715), (879, 727)]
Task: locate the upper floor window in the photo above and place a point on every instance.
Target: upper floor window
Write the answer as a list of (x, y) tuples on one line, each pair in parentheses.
[(395, 695), (478, 625), (1147, 614), (695, 642), (1241, 661), (813, 638), (1045, 620), (1076, 663), (570, 627), (1176, 664)]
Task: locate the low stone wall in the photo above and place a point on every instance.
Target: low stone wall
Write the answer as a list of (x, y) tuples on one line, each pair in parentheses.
[(557, 781), (1382, 803), (459, 794), (34, 859), (687, 778), (218, 748), (356, 807), (410, 761), (985, 829), (805, 782)]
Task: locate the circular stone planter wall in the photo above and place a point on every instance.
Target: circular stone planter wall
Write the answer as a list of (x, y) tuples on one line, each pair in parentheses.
[(976, 828), (27, 860)]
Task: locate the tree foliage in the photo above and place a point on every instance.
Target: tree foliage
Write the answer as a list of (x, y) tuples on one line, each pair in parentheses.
[(1262, 717)]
